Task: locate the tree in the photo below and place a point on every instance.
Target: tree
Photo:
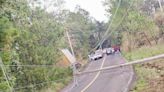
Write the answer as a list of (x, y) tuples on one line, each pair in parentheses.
[(129, 21), (30, 37), (80, 27), (8, 35)]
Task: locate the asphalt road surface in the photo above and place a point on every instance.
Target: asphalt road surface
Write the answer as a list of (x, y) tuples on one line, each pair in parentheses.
[(115, 80)]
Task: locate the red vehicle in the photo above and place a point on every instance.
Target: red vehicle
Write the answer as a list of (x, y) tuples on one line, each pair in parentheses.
[(116, 48)]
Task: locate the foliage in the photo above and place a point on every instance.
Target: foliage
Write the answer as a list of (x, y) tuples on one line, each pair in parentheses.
[(81, 27), (8, 35), (29, 37), (132, 20), (145, 73), (137, 27)]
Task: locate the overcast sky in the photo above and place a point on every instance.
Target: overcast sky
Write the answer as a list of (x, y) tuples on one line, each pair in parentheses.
[(94, 7)]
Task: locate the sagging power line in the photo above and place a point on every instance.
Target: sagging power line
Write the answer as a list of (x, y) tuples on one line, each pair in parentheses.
[(106, 35)]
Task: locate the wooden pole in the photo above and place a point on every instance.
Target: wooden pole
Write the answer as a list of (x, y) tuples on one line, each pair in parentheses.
[(145, 60)]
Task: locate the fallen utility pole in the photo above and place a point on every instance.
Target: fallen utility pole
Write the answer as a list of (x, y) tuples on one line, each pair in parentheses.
[(145, 60)]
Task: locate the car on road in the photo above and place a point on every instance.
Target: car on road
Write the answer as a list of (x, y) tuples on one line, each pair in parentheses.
[(97, 55), (109, 51), (116, 48)]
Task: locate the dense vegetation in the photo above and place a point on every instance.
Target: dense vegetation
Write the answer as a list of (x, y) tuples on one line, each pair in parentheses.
[(138, 28), (136, 23), (29, 35)]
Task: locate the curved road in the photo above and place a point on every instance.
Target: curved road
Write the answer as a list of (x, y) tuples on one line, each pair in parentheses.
[(115, 80)]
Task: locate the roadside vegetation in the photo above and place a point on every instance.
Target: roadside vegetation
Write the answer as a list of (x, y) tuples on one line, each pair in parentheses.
[(31, 34), (140, 35), (144, 52), (150, 76)]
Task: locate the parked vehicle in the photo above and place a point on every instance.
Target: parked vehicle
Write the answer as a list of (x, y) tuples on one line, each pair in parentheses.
[(97, 55), (109, 51), (116, 48)]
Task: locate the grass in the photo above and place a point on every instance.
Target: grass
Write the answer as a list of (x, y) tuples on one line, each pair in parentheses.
[(146, 51), (143, 73), (57, 86)]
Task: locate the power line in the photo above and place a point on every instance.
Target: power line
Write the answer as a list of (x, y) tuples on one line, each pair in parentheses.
[(106, 35), (109, 24), (113, 17)]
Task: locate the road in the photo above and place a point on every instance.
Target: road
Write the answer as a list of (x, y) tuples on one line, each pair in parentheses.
[(115, 80)]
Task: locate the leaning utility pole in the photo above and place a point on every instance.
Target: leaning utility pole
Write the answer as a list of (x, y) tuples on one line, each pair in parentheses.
[(159, 1), (74, 67), (70, 43)]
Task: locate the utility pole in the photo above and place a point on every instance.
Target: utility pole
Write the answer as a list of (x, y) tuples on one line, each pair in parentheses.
[(159, 1), (70, 43), (74, 67)]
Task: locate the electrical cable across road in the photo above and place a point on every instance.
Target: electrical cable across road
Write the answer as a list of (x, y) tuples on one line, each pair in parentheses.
[(106, 35)]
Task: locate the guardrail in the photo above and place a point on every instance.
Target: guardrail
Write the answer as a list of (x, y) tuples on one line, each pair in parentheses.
[(145, 60)]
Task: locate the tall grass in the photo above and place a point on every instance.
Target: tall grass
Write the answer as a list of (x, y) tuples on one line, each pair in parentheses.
[(144, 73), (143, 52)]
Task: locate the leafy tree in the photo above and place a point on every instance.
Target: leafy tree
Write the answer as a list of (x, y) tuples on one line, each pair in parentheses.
[(130, 20), (29, 37), (80, 28), (8, 35)]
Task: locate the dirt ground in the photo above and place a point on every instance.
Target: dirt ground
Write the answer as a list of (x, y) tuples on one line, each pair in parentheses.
[(155, 83)]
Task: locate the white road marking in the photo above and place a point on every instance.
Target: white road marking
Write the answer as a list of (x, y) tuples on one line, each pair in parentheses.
[(97, 75), (129, 82), (131, 76)]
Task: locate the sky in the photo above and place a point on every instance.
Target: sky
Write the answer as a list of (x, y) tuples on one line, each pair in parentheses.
[(94, 7)]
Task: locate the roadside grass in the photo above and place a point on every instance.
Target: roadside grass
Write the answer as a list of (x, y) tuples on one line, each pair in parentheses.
[(57, 79), (143, 52), (57, 86), (145, 73)]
